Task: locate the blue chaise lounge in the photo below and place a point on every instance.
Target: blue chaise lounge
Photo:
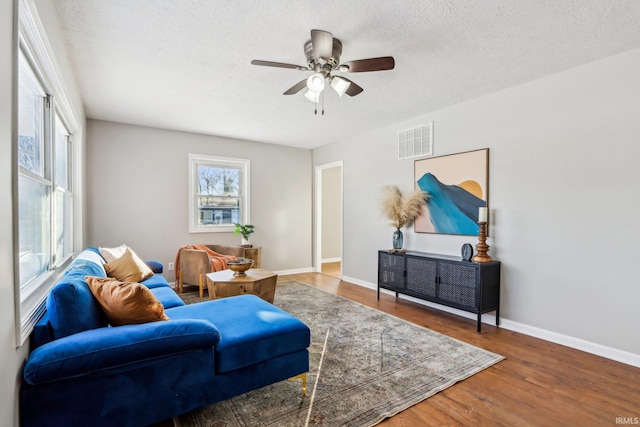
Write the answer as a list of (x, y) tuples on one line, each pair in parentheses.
[(82, 371)]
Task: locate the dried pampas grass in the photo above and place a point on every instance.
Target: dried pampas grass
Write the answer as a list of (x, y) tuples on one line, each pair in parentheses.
[(399, 210)]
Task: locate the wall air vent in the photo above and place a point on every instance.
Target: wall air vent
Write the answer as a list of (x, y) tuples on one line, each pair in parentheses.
[(416, 142)]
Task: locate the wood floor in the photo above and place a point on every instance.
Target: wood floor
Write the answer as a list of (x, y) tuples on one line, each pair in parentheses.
[(331, 268), (538, 384)]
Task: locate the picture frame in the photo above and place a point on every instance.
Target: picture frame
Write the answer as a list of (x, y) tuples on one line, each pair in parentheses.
[(457, 185)]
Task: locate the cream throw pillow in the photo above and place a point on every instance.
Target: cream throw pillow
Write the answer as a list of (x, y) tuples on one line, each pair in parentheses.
[(126, 303), (110, 254), (128, 268)]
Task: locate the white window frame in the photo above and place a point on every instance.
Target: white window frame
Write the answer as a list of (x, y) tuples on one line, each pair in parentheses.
[(30, 296), (244, 165)]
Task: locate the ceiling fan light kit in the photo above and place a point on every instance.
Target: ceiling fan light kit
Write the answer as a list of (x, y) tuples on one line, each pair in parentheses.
[(323, 56), (315, 82)]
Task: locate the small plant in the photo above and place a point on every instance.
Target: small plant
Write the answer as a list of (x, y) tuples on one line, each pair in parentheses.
[(246, 230)]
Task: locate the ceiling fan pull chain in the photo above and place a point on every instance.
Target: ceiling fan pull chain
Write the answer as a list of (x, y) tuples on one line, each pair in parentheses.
[(322, 95)]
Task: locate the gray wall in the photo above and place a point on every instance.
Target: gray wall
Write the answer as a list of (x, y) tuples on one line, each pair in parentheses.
[(564, 199), (138, 182), (331, 213)]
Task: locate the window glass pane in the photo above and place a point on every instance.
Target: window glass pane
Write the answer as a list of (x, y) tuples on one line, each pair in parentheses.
[(58, 230), (220, 181), (62, 228), (61, 155), (67, 248), (34, 228), (30, 120), (218, 194)]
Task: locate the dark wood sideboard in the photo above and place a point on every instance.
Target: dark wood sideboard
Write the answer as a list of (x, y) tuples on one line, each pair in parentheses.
[(442, 279)]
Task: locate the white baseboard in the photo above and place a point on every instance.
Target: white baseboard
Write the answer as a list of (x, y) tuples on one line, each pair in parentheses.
[(566, 340), (325, 260), (295, 271), (360, 282), (577, 343)]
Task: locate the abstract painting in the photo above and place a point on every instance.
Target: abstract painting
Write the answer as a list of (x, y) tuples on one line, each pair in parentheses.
[(456, 186)]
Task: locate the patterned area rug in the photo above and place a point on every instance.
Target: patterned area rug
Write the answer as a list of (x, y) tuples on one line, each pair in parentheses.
[(366, 366)]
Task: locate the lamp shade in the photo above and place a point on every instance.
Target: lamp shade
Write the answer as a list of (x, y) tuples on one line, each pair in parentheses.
[(315, 82), (340, 85), (312, 96)]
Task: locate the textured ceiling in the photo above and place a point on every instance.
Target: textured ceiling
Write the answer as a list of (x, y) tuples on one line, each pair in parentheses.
[(185, 65)]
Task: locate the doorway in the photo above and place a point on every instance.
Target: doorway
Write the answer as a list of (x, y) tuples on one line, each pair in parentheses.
[(328, 236)]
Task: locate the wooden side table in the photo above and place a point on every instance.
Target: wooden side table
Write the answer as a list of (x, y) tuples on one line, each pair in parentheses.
[(254, 253), (257, 281)]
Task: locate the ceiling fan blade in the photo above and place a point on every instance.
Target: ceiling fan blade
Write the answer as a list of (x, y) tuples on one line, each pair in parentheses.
[(371, 64), (279, 65), (353, 88), (296, 87), (322, 42)]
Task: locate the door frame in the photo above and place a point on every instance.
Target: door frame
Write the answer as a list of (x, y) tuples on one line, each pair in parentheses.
[(319, 169)]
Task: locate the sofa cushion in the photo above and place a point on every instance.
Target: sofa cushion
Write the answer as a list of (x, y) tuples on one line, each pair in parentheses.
[(167, 296), (128, 268), (252, 330), (155, 281), (110, 254), (71, 306), (126, 302), (89, 352)]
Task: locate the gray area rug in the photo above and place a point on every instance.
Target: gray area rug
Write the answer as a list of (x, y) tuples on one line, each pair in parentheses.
[(366, 366)]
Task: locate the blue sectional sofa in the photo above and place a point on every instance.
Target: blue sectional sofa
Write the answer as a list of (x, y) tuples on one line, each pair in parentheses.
[(83, 372)]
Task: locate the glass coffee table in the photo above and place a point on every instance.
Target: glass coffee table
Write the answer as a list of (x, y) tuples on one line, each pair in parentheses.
[(256, 281)]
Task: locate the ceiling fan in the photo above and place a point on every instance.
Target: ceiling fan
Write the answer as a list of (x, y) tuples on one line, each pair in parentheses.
[(323, 57)]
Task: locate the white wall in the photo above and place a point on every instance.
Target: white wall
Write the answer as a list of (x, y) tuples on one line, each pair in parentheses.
[(138, 193), (564, 199)]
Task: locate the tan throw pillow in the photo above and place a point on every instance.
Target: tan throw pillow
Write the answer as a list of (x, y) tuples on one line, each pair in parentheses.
[(128, 268), (126, 303), (110, 254)]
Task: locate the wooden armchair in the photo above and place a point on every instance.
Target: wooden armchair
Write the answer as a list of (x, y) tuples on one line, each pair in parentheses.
[(193, 264)]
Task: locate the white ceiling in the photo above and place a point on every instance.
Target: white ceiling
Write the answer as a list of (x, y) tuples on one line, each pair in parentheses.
[(185, 65)]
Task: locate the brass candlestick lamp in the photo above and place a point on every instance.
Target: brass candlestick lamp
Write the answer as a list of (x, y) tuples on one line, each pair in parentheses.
[(482, 246)]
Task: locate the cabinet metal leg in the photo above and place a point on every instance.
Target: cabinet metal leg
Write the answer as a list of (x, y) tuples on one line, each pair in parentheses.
[(479, 322)]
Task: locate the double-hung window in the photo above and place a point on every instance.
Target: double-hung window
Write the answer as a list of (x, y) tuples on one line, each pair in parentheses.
[(44, 191), (219, 193)]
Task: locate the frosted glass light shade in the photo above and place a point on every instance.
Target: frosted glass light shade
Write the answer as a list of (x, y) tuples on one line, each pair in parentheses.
[(312, 96), (315, 82), (340, 85)]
